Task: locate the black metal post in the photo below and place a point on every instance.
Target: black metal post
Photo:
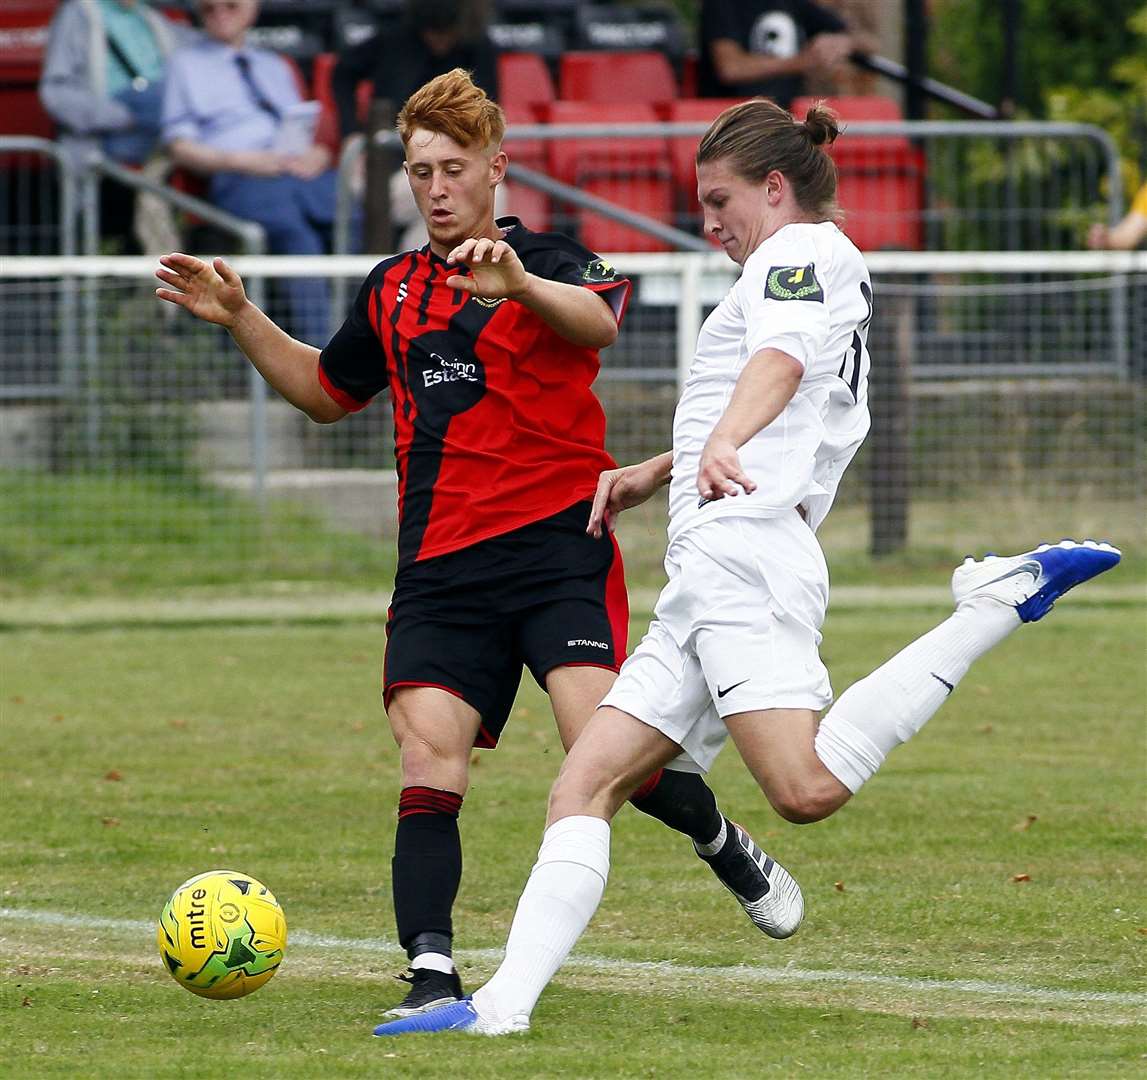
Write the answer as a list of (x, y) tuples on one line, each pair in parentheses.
[(915, 58), (1011, 10)]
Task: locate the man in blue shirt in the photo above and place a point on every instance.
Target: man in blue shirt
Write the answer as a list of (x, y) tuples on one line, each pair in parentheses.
[(224, 116)]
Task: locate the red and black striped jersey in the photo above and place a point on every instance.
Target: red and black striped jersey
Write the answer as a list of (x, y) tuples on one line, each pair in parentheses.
[(495, 422)]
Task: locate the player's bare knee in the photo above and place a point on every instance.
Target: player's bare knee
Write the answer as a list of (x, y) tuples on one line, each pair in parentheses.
[(426, 760), (806, 802), (579, 791)]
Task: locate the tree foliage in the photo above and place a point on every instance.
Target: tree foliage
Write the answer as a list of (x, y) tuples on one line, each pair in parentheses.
[(1077, 61)]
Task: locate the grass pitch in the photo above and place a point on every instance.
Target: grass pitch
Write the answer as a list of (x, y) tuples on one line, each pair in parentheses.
[(978, 910)]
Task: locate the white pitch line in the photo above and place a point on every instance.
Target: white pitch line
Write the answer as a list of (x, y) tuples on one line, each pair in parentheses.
[(738, 973)]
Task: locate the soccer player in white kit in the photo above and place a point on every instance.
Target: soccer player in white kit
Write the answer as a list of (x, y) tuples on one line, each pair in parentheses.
[(774, 408)]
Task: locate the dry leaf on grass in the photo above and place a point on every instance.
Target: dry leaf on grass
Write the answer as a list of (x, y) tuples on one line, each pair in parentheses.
[(1021, 877)]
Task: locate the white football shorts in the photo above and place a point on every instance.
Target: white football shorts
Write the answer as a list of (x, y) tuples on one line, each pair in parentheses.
[(736, 629)]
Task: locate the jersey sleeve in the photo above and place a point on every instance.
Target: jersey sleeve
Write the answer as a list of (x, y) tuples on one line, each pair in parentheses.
[(563, 259), (352, 368), (784, 303)]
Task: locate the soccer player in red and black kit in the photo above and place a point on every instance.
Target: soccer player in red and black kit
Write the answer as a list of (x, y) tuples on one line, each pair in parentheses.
[(487, 340)]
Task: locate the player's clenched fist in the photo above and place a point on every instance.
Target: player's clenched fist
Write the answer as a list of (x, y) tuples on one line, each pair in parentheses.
[(496, 272), (212, 292)]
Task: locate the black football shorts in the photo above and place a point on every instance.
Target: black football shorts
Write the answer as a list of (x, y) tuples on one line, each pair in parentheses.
[(542, 596)]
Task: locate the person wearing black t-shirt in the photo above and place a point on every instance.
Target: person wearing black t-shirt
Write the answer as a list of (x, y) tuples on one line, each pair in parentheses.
[(434, 37), (766, 48), (487, 341)]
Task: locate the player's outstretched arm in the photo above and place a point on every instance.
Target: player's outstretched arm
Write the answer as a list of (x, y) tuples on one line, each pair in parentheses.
[(496, 272), (214, 292), (620, 489)]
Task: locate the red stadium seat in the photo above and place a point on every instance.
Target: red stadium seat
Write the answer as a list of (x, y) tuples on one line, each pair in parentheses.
[(880, 179), (23, 38), (617, 77), (524, 80), (527, 203), (632, 172), (689, 75), (321, 74)]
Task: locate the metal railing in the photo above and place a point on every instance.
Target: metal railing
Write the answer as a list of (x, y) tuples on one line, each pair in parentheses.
[(57, 318), (1029, 192), (65, 226), (250, 235)]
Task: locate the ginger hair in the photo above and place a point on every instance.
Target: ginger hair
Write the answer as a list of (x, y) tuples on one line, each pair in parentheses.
[(452, 105)]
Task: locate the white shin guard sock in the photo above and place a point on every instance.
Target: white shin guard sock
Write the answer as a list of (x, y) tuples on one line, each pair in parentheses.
[(563, 892), (889, 706)]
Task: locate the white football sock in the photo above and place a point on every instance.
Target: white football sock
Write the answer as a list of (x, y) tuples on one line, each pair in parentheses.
[(563, 892), (888, 707)]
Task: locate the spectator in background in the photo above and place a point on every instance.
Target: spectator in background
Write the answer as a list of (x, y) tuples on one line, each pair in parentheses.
[(102, 83), (1129, 233), (436, 36), (235, 114), (767, 48)]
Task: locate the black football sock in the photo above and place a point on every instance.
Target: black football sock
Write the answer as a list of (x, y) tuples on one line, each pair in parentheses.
[(683, 801), (426, 869)]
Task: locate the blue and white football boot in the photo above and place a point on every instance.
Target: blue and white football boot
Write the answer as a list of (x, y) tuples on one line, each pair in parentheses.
[(456, 1016), (1032, 582)]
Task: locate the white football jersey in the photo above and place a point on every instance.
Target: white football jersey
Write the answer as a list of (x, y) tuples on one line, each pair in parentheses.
[(805, 291)]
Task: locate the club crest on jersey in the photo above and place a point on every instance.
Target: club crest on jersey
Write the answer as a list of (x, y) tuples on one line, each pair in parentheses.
[(598, 271), (793, 283)]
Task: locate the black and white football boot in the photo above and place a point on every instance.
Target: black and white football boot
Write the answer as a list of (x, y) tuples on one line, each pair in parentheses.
[(428, 990), (764, 888)]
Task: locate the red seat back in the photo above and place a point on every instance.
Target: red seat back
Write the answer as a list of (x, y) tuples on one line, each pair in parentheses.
[(524, 80), (880, 178), (631, 77), (631, 172), (527, 203), (23, 38), (321, 75)]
